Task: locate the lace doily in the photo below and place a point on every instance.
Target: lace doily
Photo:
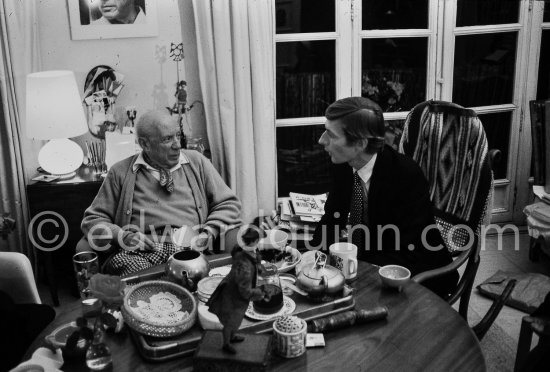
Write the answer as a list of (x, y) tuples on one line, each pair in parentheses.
[(163, 308)]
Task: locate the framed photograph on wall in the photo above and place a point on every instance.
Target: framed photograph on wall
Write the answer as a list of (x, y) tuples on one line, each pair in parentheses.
[(111, 19)]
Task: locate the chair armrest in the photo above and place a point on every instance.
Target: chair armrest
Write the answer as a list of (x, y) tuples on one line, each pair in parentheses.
[(495, 157), (457, 262), (482, 327)]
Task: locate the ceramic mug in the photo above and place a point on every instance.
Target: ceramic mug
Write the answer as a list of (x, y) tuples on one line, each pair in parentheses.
[(343, 256)]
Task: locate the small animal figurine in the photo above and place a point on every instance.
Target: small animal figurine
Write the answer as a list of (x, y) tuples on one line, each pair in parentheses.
[(232, 296)]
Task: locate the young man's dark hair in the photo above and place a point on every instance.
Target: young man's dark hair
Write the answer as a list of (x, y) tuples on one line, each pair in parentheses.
[(361, 119)]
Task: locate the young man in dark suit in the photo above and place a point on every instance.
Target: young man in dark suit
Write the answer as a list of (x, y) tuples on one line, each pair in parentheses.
[(381, 194)]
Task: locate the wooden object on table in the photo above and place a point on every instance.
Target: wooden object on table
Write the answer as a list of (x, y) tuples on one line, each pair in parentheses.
[(67, 198), (422, 332), (347, 319), (252, 354)]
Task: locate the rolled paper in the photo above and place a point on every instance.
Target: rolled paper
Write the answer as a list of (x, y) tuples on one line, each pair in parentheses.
[(377, 313), (347, 319)]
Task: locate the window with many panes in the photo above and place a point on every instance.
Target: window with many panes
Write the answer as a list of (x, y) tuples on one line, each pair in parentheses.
[(318, 45), (400, 53)]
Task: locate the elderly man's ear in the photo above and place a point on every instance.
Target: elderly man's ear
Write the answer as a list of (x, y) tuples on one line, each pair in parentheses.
[(143, 143)]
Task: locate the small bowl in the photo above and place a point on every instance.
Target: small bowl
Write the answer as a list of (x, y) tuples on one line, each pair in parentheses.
[(274, 239), (394, 276)]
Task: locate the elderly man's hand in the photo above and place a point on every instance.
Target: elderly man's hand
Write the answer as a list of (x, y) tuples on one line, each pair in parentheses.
[(137, 241), (202, 241)]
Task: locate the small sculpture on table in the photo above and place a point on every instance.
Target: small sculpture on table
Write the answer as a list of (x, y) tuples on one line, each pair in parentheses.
[(232, 296)]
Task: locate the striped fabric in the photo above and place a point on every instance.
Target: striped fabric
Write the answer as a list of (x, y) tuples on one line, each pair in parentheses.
[(449, 144)]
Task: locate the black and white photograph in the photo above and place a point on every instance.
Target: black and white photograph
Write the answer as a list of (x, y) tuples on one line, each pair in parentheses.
[(114, 12), (104, 19)]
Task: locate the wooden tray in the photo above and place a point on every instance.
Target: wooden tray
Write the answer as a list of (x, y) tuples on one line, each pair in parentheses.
[(162, 349)]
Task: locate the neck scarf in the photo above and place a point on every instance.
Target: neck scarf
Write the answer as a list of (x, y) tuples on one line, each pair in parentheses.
[(166, 180)]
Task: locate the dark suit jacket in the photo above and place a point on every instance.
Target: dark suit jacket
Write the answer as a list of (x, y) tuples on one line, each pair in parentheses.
[(398, 195)]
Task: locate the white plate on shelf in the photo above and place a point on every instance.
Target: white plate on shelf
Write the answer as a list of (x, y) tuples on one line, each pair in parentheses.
[(288, 307)]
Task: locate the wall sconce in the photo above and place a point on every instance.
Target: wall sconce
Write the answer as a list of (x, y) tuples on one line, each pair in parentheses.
[(55, 113)]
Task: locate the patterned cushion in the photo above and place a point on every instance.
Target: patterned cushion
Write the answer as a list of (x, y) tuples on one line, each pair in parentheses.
[(449, 144)]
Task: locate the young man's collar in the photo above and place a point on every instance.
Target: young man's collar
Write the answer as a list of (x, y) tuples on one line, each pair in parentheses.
[(366, 171)]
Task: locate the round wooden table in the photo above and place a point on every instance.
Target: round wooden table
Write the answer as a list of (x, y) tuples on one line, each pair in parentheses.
[(421, 333)]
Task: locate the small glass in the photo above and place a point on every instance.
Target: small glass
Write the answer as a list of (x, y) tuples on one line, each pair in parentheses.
[(269, 281), (85, 265)]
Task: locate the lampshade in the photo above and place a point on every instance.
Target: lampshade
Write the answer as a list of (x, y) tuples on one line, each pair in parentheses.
[(54, 107), (54, 112)]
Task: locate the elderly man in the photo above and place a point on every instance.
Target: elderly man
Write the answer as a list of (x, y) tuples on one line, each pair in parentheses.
[(119, 12), (145, 197), (384, 193)]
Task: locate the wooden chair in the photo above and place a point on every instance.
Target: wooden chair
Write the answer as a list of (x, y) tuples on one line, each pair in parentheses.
[(449, 144)]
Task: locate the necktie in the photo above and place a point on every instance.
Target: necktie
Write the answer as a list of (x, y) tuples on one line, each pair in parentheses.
[(356, 212)]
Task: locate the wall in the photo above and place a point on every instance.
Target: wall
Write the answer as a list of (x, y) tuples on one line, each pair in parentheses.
[(149, 80)]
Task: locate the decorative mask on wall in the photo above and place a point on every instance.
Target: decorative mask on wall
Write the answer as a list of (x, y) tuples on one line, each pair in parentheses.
[(102, 87)]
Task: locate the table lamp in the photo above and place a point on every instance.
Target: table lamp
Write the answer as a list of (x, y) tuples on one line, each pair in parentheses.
[(55, 113)]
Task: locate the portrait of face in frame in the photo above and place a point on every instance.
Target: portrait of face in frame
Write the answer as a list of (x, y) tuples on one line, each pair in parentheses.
[(108, 19)]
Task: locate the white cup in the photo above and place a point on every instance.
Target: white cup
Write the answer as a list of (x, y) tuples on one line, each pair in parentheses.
[(343, 256), (274, 239)]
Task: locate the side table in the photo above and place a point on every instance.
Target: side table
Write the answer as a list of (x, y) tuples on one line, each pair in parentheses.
[(56, 211)]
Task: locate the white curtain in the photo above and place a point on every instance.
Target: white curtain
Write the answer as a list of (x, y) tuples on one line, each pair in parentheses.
[(235, 42), (18, 57)]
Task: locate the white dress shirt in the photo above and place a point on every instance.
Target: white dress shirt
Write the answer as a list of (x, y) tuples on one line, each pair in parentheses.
[(365, 173)]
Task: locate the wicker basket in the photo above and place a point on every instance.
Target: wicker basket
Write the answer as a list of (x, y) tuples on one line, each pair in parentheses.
[(143, 292)]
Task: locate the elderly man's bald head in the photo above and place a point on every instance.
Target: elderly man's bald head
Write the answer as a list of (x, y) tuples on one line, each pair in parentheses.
[(149, 123), (159, 136)]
